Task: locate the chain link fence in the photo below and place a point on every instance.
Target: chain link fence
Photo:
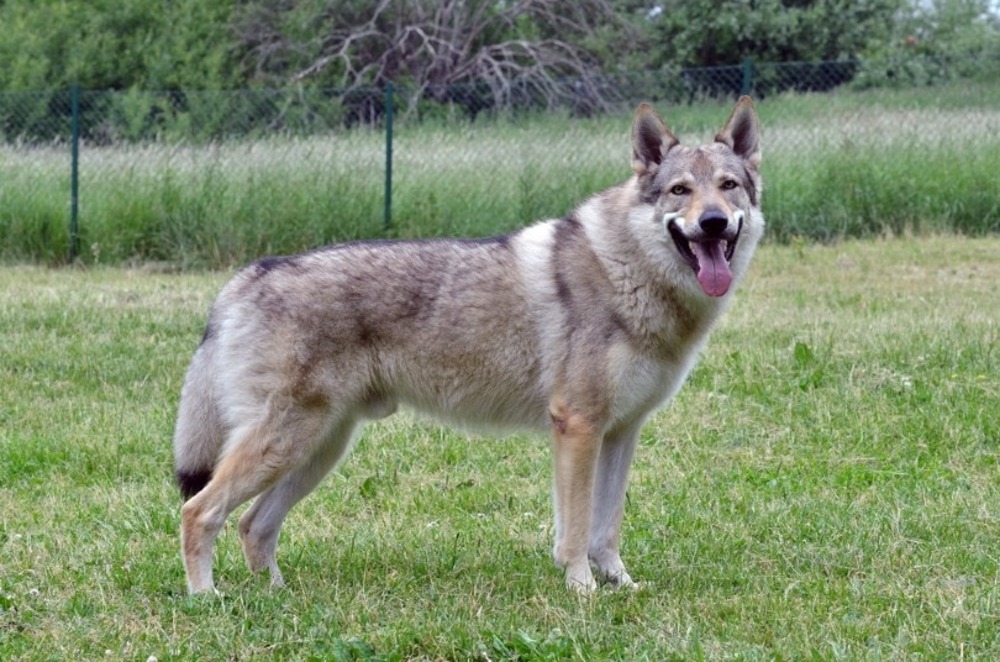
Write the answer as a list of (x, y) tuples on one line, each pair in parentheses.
[(212, 178)]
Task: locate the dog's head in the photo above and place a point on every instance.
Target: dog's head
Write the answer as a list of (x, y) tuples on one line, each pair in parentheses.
[(706, 199)]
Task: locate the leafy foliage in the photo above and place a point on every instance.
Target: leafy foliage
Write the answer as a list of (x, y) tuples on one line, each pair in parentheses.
[(231, 44), (936, 42), (105, 44), (723, 32)]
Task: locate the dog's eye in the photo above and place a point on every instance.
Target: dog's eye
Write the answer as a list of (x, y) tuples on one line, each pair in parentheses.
[(680, 189), (729, 184)]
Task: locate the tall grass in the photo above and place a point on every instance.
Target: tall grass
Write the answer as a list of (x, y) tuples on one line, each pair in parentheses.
[(886, 171), (840, 165)]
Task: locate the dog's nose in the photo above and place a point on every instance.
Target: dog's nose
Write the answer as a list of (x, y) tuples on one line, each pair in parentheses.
[(713, 222)]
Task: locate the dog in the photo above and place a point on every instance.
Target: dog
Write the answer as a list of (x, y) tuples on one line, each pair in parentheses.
[(581, 326)]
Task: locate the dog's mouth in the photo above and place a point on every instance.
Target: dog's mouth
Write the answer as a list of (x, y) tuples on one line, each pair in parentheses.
[(709, 256)]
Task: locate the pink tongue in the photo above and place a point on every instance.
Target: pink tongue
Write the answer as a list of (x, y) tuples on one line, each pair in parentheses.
[(713, 270)]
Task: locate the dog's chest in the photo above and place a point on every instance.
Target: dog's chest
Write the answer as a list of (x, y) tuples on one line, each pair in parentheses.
[(643, 383)]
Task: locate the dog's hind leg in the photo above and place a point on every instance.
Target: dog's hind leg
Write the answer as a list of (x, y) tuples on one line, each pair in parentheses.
[(260, 525), (609, 503), (256, 457)]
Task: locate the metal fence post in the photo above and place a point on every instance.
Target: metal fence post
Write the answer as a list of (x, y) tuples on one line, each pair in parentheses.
[(388, 155), (74, 180), (747, 83)]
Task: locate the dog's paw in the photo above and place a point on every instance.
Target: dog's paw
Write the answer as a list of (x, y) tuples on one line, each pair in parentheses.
[(202, 588), (620, 579), (580, 579), (206, 593), (609, 569)]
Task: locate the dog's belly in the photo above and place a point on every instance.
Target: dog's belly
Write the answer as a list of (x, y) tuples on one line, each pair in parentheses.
[(477, 401)]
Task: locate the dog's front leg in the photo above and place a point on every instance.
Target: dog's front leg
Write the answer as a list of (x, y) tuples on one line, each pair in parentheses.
[(613, 464), (576, 444)]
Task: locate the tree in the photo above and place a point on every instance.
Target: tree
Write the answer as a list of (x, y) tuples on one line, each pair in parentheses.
[(509, 50), (722, 32), (107, 44), (946, 27), (934, 41)]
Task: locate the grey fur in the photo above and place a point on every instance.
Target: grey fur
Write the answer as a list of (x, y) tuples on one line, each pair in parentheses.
[(581, 326)]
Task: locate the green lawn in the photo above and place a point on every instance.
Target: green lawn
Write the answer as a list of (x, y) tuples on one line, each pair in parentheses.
[(825, 486)]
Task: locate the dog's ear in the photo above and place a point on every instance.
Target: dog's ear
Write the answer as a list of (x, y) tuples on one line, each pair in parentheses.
[(742, 132), (651, 140)]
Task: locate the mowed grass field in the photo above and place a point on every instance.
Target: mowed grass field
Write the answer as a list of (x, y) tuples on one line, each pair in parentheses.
[(826, 486)]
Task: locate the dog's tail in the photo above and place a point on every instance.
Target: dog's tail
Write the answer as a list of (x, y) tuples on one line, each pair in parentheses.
[(199, 434)]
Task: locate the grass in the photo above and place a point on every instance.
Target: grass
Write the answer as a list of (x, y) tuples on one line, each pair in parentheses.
[(825, 486), (847, 164)]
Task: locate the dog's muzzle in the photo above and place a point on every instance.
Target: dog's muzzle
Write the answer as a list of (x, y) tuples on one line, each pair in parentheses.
[(709, 249)]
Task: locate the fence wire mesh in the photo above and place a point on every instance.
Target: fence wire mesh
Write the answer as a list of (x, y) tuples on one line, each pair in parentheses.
[(217, 177)]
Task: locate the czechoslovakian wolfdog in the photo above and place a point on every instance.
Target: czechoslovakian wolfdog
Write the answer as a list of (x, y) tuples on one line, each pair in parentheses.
[(582, 326)]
